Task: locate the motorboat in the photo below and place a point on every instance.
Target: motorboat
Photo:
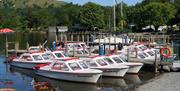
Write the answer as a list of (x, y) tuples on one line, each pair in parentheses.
[(119, 60), (81, 52), (29, 60), (69, 70), (97, 62), (59, 85), (114, 39), (58, 54), (75, 45)]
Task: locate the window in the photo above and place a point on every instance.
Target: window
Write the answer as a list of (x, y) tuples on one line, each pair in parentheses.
[(64, 67), (37, 57), (91, 63), (46, 57), (65, 55), (77, 45), (101, 62), (141, 56), (109, 60), (83, 45), (59, 55), (74, 66), (51, 56), (26, 58), (145, 54), (117, 60), (150, 53), (123, 58), (60, 66), (79, 52), (85, 51), (83, 64)]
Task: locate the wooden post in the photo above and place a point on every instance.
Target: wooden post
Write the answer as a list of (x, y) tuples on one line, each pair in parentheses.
[(87, 40), (27, 45), (83, 37), (89, 50), (156, 63), (6, 50), (16, 48), (128, 55), (138, 37), (104, 48), (141, 37), (73, 51), (72, 37), (61, 35), (109, 44), (136, 52), (78, 37)]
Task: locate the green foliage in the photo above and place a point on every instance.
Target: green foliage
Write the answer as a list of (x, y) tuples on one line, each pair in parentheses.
[(37, 15), (156, 14), (92, 15)]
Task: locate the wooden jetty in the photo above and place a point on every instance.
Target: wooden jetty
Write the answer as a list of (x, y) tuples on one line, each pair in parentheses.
[(16, 49)]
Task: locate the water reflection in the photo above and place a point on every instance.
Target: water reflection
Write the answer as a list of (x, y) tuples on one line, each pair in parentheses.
[(67, 86), (29, 80), (39, 82), (132, 79)]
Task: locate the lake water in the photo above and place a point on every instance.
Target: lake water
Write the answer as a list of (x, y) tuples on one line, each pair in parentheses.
[(27, 80)]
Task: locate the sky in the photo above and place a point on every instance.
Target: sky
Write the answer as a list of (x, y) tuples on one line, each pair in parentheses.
[(102, 2)]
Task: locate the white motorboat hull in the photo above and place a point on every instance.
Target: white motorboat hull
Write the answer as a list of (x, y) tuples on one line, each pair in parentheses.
[(28, 65), (76, 77), (133, 67), (113, 72)]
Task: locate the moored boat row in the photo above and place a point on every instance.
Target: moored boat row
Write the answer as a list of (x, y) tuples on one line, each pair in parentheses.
[(58, 65)]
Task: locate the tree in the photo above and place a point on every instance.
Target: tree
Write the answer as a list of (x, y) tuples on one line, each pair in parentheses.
[(156, 14), (92, 15)]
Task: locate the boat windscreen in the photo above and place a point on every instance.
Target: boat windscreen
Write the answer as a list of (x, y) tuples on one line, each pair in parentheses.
[(150, 53), (60, 66), (91, 63), (83, 64), (65, 55), (45, 56), (59, 55), (145, 54), (37, 57), (101, 62), (74, 66), (123, 58), (108, 60), (141, 56), (117, 60)]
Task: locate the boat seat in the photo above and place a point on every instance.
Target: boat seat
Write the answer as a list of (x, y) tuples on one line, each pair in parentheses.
[(56, 67)]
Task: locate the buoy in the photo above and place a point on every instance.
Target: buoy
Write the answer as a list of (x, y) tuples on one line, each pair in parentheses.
[(166, 55)]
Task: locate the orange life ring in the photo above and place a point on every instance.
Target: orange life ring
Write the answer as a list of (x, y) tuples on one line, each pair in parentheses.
[(166, 55)]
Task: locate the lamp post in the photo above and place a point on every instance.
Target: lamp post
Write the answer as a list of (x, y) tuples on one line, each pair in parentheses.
[(122, 15), (114, 9)]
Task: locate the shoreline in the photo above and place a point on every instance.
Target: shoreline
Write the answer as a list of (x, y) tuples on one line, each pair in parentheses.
[(165, 82)]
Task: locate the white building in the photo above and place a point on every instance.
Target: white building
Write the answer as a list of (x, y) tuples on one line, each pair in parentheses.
[(59, 28)]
